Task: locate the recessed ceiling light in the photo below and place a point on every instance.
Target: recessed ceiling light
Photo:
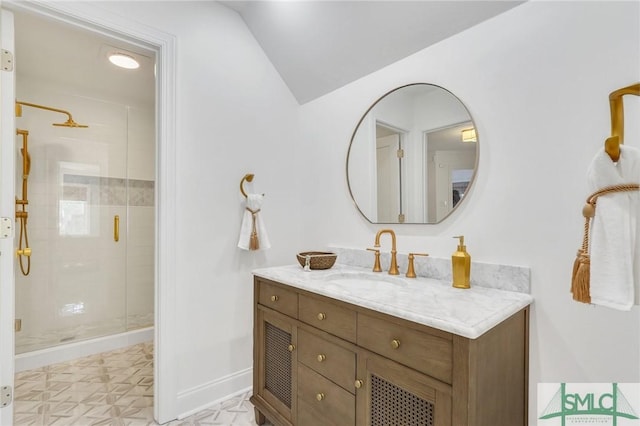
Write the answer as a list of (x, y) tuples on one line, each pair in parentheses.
[(123, 60)]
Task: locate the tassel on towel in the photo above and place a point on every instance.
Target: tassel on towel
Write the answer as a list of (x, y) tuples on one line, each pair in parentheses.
[(581, 266), (254, 243), (253, 235), (580, 284)]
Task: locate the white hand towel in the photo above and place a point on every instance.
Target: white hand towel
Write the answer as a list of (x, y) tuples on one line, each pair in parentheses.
[(615, 231), (252, 223)]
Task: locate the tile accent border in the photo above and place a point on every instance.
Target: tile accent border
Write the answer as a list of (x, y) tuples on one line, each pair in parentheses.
[(109, 191), (501, 277)]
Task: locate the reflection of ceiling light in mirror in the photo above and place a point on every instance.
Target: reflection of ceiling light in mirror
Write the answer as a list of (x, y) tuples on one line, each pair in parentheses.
[(123, 60), (469, 135)]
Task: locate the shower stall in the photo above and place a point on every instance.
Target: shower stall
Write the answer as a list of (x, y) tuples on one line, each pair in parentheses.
[(86, 225)]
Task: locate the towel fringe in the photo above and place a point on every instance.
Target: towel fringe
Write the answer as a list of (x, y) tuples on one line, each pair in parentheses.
[(580, 278)]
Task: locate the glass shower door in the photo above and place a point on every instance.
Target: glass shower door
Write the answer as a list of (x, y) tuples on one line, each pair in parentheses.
[(90, 287)]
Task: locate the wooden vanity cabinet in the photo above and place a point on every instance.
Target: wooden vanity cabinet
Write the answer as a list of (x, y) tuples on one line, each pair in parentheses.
[(322, 362)]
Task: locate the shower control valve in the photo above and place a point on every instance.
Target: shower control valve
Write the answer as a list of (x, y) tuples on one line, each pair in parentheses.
[(23, 252)]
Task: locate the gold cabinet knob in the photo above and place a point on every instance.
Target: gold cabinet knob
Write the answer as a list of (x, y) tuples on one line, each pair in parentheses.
[(291, 347), (321, 357), (395, 343), (320, 396), (321, 316), (358, 384), (274, 298)]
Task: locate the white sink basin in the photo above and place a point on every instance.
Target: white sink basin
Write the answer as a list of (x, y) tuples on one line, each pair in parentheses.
[(369, 280)]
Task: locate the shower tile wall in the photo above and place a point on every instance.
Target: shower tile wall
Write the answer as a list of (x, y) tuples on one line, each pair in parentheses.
[(82, 283)]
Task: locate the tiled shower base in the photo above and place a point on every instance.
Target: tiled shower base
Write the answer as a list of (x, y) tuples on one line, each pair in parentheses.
[(111, 388), (55, 337)]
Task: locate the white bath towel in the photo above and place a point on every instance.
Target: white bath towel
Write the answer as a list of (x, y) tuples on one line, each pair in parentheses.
[(615, 231), (252, 222)]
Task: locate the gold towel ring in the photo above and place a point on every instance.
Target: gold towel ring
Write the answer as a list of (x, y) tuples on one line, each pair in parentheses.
[(249, 178)]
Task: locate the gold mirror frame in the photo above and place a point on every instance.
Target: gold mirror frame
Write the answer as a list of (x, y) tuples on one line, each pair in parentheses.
[(411, 174)]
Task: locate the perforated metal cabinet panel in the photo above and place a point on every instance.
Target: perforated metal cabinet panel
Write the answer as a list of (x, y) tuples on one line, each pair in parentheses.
[(278, 363), (392, 405)]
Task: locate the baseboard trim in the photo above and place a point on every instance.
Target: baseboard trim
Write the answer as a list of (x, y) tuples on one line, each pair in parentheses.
[(201, 397)]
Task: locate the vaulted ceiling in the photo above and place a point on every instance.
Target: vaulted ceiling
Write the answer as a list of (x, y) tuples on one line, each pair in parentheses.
[(319, 46)]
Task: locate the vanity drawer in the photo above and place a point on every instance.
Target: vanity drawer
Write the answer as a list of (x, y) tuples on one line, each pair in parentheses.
[(332, 361), (421, 351), (329, 317), (278, 298), (322, 402)]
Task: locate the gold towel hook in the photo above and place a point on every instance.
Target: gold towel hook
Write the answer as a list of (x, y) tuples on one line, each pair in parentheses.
[(249, 178), (612, 144)]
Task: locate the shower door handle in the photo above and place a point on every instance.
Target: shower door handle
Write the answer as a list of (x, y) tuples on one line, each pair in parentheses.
[(116, 228)]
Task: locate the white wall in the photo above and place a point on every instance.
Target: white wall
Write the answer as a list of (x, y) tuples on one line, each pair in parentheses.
[(536, 81), (234, 116)]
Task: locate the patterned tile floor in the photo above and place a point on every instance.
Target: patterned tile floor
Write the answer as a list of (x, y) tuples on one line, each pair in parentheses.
[(111, 388)]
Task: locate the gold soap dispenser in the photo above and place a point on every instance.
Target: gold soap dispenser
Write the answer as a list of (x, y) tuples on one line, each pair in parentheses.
[(461, 265)]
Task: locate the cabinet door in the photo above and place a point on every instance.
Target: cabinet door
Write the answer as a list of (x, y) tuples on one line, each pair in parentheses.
[(392, 394), (276, 360)]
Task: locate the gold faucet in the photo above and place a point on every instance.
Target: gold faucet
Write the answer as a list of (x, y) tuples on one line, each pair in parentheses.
[(393, 268)]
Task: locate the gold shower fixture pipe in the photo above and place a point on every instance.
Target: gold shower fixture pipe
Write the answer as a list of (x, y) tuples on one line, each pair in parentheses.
[(26, 164), (69, 123), (21, 205)]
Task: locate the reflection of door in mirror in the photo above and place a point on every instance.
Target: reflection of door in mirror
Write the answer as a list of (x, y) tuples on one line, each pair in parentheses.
[(460, 181), (454, 170), (389, 169), (450, 164)]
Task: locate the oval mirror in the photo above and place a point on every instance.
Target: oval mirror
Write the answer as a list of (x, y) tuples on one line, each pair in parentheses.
[(413, 156)]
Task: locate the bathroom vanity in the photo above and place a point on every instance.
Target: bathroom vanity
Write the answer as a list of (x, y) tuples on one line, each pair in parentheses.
[(350, 347)]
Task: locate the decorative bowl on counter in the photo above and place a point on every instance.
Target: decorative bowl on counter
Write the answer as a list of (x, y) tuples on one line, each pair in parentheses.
[(317, 259)]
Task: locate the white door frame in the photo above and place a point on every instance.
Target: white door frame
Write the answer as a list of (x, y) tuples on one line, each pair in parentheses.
[(7, 210), (388, 178), (92, 17)]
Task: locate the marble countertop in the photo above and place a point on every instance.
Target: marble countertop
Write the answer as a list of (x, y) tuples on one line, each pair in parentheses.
[(435, 303)]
